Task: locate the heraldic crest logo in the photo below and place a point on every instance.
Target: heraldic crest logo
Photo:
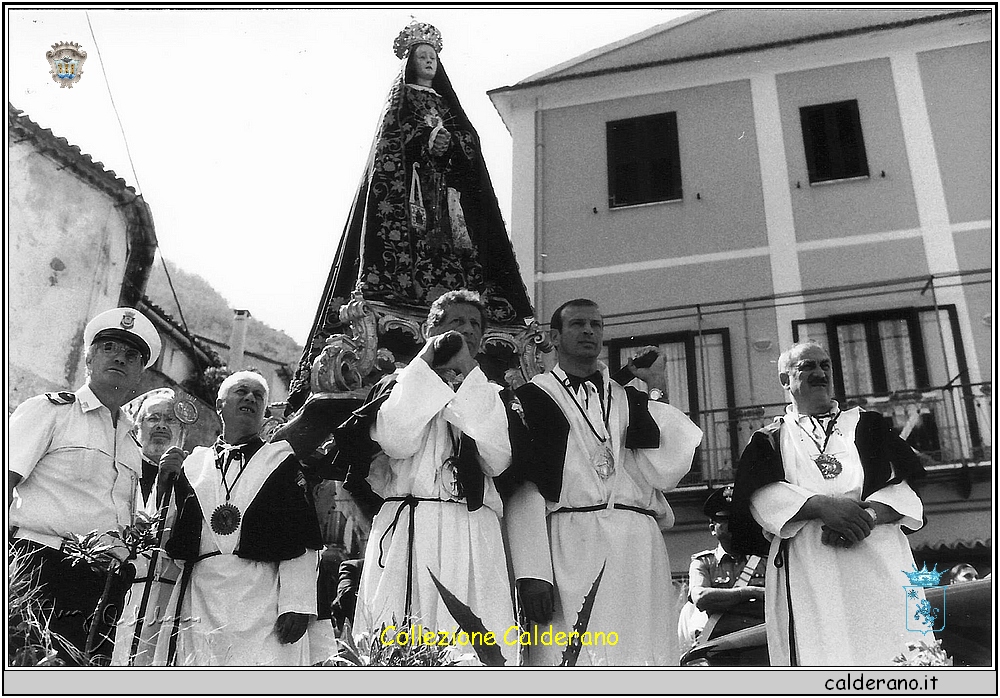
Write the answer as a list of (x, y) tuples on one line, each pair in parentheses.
[(919, 611), (66, 59)]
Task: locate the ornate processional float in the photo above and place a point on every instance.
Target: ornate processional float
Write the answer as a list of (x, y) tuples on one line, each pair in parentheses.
[(425, 221)]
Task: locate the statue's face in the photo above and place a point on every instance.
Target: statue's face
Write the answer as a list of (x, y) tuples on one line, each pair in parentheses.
[(425, 62)]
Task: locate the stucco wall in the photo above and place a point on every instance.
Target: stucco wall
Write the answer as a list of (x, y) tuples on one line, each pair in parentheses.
[(957, 87), (718, 160), (851, 207), (65, 263), (741, 148)]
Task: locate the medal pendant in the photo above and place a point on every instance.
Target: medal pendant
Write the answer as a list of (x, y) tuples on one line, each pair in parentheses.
[(604, 463), (225, 519), (829, 466), (449, 478)]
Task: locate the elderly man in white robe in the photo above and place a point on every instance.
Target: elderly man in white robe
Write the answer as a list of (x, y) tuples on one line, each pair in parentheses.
[(161, 420), (248, 540), (601, 457), (829, 487), (442, 431)]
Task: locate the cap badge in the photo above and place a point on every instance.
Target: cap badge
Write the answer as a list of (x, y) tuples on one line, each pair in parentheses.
[(128, 320)]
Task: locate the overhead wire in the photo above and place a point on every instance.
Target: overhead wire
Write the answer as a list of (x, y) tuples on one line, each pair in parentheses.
[(138, 186), (114, 107)]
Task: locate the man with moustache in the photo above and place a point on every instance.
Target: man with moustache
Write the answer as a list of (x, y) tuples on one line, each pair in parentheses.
[(74, 465), (830, 489), (602, 455), (159, 430), (442, 433), (248, 541)]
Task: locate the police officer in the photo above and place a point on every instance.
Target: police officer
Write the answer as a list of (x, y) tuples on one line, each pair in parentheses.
[(716, 586), (75, 465)]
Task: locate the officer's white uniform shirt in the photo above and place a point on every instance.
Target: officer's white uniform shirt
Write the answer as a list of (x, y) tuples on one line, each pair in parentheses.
[(79, 473)]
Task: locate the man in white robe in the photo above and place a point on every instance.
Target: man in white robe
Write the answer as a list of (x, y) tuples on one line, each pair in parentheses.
[(159, 428), (602, 456), (829, 489), (249, 542), (441, 446)]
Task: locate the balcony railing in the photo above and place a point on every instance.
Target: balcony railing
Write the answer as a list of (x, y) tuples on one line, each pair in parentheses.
[(947, 425)]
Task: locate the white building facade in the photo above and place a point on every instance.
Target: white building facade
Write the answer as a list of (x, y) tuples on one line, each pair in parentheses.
[(739, 179)]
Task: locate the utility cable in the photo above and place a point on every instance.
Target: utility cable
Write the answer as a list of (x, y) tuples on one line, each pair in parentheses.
[(135, 175)]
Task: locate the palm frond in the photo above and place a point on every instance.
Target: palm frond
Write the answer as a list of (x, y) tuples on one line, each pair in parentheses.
[(489, 654), (572, 652)]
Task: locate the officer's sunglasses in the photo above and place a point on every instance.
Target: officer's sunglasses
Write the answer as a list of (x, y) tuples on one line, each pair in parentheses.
[(112, 348)]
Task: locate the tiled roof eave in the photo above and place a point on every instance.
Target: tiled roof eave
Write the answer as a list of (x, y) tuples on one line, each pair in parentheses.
[(206, 352), (943, 544), (222, 345), (140, 232), (71, 156), (824, 36)]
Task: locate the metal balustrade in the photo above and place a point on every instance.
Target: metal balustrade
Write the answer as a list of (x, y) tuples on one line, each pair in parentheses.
[(949, 425)]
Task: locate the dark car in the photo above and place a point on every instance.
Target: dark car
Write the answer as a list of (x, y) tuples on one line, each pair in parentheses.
[(967, 635)]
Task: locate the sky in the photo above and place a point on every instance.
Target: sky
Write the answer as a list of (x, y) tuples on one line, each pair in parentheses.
[(249, 129)]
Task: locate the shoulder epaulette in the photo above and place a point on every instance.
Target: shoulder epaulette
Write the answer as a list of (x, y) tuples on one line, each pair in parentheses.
[(703, 553), (61, 398)]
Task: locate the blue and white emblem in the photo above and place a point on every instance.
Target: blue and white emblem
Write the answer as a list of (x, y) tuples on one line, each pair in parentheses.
[(66, 62), (921, 615)]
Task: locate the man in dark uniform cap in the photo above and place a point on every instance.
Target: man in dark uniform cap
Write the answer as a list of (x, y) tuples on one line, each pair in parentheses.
[(75, 465), (720, 582)]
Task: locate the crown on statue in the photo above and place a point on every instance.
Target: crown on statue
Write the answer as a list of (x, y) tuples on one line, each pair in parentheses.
[(924, 577), (417, 33)]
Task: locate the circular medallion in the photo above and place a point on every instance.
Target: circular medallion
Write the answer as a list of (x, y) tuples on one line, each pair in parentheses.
[(604, 463), (829, 466), (185, 411), (225, 519)]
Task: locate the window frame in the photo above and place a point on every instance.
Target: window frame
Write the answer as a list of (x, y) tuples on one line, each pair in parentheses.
[(837, 169), (642, 192), (915, 331), (687, 337), (876, 354), (870, 320)]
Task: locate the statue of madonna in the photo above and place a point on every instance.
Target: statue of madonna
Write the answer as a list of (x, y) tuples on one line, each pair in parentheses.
[(425, 219)]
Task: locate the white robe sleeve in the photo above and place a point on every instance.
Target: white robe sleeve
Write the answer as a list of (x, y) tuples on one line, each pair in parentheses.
[(403, 421), (904, 500), (297, 583), (478, 412), (528, 534), (664, 467), (776, 504)]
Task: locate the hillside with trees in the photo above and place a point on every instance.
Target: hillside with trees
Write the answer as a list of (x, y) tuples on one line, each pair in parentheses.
[(208, 314)]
